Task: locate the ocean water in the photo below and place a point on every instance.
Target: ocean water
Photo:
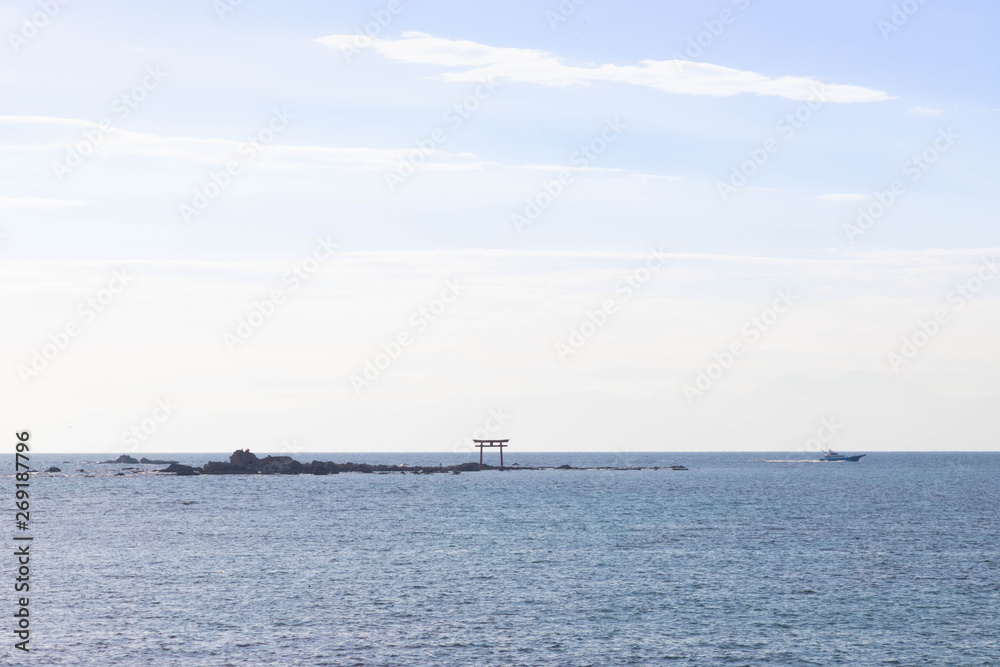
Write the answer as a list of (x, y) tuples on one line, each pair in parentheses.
[(746, 559)]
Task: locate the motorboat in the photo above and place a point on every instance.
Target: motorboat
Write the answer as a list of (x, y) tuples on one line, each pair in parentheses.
[(830, 455)]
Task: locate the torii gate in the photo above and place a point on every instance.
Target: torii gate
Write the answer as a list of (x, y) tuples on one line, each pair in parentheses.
[(491, 443)]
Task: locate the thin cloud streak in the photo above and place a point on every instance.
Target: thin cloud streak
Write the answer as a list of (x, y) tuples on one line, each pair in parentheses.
[(215, 151), (36, 203), (483, 62)]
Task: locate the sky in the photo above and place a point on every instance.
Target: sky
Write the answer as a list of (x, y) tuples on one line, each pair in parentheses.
[(585, 226)]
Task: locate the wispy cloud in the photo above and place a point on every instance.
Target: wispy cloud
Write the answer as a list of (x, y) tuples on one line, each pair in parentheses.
[(46, 120), (215, 151), (480, 61), (842, 197), (32, 203), (274, 156), (854, 266), (925, 111)]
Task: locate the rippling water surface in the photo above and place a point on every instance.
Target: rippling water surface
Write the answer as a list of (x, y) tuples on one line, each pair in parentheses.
[(746, 559)]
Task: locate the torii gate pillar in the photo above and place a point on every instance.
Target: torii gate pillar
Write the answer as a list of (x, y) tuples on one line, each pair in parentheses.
[(491, 443)]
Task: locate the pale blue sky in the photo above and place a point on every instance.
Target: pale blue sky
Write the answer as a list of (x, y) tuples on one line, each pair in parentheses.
[(890, 95), (225, 75)]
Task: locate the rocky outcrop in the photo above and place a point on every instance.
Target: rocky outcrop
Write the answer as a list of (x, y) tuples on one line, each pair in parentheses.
[(181, 469), (280, 465), (244, 462), (124, 458), (53, 469), (357, 467), (156, 462), (244, 459), (320, 468)]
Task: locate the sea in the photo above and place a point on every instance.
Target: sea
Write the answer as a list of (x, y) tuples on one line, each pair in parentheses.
[(743, 559)]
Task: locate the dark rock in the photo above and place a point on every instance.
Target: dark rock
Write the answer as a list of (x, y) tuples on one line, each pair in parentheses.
[(219, 468), (242, 462), (53, 469), (155, 461), (244, 459), (180, 469), (124, 458), (356, 467), (320, 468), (279, 465), (565, 466)]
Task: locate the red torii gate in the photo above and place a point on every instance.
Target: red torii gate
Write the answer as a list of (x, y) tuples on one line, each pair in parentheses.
[(491, 443)]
